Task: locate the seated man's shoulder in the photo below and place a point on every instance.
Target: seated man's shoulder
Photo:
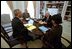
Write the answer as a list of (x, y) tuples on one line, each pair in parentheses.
[(15, 20)]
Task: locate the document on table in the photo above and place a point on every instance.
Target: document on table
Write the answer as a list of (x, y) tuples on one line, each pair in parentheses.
[(30, 21), (43, 29), (30, 27)]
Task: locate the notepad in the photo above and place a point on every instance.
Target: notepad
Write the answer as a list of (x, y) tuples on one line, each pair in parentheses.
[(30, 27), (43, 29)]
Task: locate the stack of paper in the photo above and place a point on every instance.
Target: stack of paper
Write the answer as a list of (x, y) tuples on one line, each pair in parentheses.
[(30, 26)]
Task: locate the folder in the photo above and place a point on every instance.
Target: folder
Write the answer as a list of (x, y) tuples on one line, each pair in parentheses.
[(43, 29), (30, 27)]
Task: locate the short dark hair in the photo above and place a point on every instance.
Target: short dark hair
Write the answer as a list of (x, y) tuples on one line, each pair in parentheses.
[(16, 11), (57, 18)]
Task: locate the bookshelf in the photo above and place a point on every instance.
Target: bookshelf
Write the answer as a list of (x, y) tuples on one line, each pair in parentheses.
[(68, 12), (64, 7), (55, 4), (44, 5)]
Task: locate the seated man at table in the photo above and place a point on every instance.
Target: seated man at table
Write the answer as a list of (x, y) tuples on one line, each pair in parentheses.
[(26, 14), (47, 20), (19, 30), (52, 39)]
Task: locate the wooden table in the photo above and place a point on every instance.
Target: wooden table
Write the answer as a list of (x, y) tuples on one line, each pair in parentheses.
[(37, 31)]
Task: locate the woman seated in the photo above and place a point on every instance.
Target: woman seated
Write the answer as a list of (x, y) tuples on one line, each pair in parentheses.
[(52, 39)]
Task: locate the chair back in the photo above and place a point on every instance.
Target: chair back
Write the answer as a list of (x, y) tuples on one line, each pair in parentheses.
[(4, 32), (6, 40)]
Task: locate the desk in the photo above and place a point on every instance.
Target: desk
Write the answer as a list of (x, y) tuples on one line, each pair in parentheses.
[(37, 31)]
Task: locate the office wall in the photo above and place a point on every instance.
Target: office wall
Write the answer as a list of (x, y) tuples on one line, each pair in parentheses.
[(34, 2), (10, 4), (18, 5), (21, 5), (6, 14), (37, 9)]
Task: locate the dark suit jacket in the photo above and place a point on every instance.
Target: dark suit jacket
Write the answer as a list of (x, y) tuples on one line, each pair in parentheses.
[(26, 15), (53, 36), (19, 31), (49, 23)]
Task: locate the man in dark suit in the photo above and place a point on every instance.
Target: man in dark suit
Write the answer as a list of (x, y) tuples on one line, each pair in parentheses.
[(47, 19), (19, 30), (52, 39), (26, 14)]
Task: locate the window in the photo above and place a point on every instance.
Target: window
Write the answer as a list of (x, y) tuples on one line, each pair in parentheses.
[(30, 9), (5, 9), (53, 11)]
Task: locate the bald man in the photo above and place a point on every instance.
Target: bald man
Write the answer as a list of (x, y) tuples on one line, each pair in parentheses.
[(47, 20)]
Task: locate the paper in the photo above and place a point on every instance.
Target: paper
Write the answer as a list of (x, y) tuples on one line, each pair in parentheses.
[(30, 21), (30, 26), (27, 25), (43, 29)]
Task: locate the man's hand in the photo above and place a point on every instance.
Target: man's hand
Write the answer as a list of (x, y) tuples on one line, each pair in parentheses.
[(41, 22), (24, 22), (44, 22)]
